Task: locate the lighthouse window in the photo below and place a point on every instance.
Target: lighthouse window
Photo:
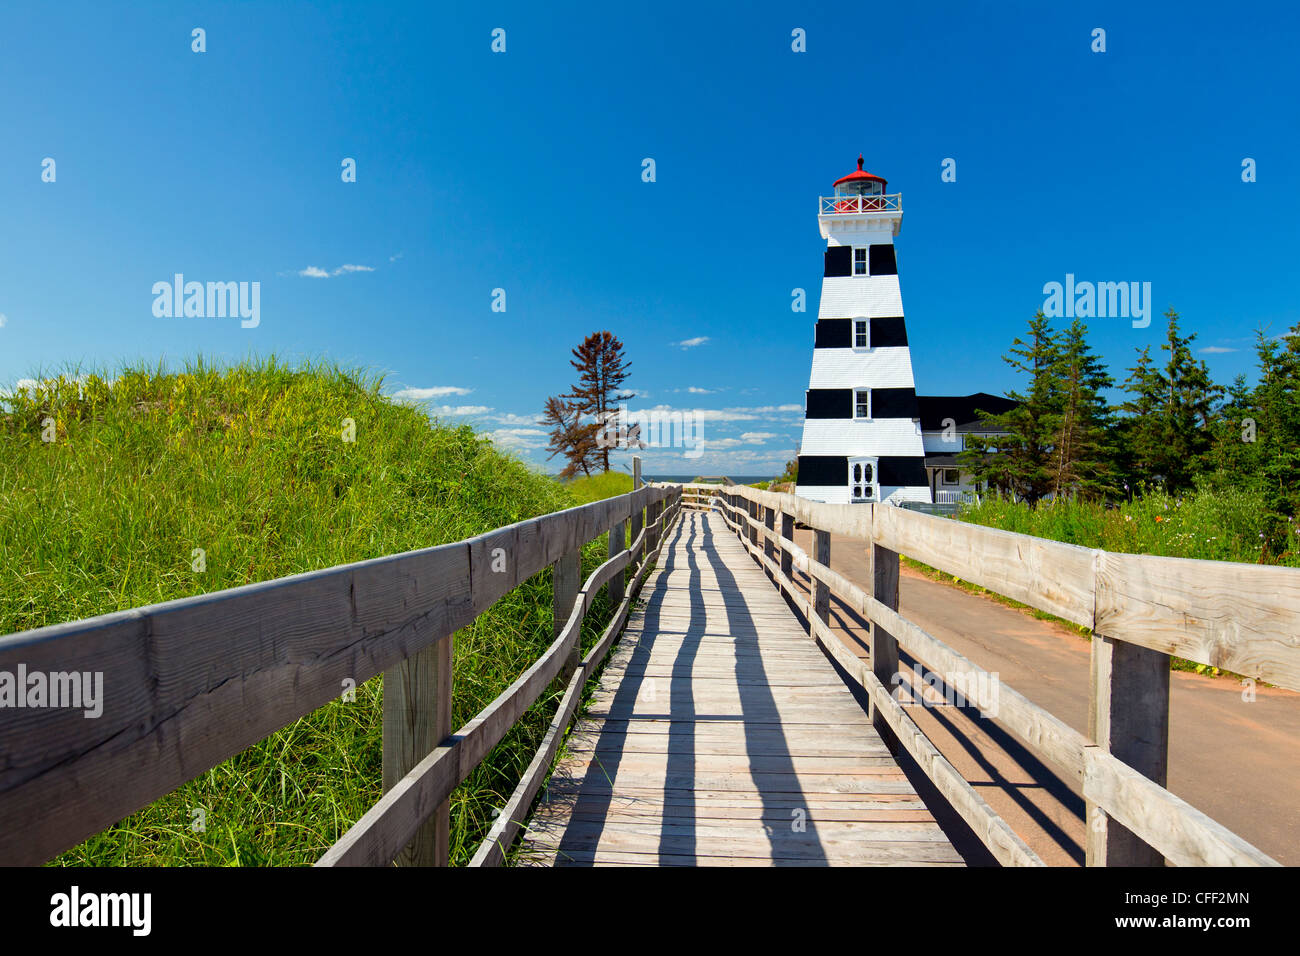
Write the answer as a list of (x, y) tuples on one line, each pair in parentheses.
[(859, 262), (862, 333), (862, 403)]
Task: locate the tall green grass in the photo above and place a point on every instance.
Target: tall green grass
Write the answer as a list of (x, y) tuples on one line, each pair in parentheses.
[(1212, 523), (598, 487), (249, 463)]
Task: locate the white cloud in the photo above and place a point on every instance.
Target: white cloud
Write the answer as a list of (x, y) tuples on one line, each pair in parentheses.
[(510, 418), (458, 411), (701, 391), (1215, 350), (396, 257), (4, 320), (757, 438), (518, 438), (692, 343), (316, 272), (424, 394)]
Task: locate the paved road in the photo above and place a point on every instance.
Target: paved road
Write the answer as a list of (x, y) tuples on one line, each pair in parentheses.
[(1238, 762)]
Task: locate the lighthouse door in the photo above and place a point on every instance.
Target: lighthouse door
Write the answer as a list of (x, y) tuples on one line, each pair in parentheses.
[(863, 482)]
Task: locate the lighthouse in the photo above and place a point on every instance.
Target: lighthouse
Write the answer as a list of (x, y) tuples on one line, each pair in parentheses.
[(862, 437)]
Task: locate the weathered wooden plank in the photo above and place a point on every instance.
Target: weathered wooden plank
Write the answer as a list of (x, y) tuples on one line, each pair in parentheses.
[(994, 832), (1241, 617), (504, 831), (1183, 834), (1046, 734), (1128, 716), (190, 683), (417, 717)]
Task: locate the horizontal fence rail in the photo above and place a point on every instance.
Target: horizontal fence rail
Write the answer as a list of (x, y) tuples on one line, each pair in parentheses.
[(1141, 608), (190, 683)]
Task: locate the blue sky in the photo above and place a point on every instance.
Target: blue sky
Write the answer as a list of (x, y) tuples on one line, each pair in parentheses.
[(522, 171)]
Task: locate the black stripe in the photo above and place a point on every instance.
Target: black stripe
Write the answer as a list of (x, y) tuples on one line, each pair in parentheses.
[(824, 470), (888, 332), (881, 260), (829, 403), (833, 470), (894, 403), (834, 334), (839, 261), (900, 470)]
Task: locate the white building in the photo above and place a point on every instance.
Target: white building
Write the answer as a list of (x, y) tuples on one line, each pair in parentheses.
[(862, 429), (947, 421), (866, 434)]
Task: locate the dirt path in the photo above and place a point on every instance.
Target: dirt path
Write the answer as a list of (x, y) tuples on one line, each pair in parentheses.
[(1238, 762)]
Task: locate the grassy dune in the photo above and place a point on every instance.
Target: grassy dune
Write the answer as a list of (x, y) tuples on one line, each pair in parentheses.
[(596, 487), (250, 464)]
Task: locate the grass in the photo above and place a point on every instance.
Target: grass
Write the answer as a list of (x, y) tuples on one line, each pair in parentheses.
[(600, 486), (250, 464), (1214, 524)]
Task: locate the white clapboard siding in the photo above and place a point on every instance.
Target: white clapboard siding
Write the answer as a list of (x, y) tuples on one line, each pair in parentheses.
[(847, 297), (875, 436), (850, 368), (936, 445)]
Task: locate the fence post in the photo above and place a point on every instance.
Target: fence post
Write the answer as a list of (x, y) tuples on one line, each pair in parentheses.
[(769, 549), (636, 472), (753, 532), (787, 532), (1128, 715), (417, 718), (884, 647), (821, 594), (566, 581), (616, 545), (634, 531), (652, 513)]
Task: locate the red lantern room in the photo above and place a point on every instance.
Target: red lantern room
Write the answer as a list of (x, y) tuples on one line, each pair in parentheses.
[(859, 183)]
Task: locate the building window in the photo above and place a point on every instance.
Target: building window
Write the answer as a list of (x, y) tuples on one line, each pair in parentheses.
[(951, 476), (862, 403), (862, 333), (860, 262), (862, 480)]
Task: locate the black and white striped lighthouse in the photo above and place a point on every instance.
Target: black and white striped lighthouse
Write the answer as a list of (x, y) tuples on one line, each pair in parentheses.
[(862, 429)]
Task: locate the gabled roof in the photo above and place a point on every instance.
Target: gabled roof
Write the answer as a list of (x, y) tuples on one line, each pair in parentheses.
[(961, 409)]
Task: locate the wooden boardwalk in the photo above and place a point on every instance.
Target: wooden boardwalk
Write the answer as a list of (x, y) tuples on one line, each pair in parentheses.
[(720, 735)]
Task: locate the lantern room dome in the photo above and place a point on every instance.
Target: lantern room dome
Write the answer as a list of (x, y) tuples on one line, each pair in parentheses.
[(860, 182)]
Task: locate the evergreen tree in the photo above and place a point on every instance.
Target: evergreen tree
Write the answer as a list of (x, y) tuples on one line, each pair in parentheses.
[(1082, 449), (1168, 434), (601, 373), (1021, 461)]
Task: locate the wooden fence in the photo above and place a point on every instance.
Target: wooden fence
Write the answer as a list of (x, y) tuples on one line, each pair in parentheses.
[(190, 683), (1141, 609)]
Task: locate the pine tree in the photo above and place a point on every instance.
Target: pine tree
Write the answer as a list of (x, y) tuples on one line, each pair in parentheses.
[(601, 373), (1082, 450), (570, 437), (1021, 460), (1168, 432)]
